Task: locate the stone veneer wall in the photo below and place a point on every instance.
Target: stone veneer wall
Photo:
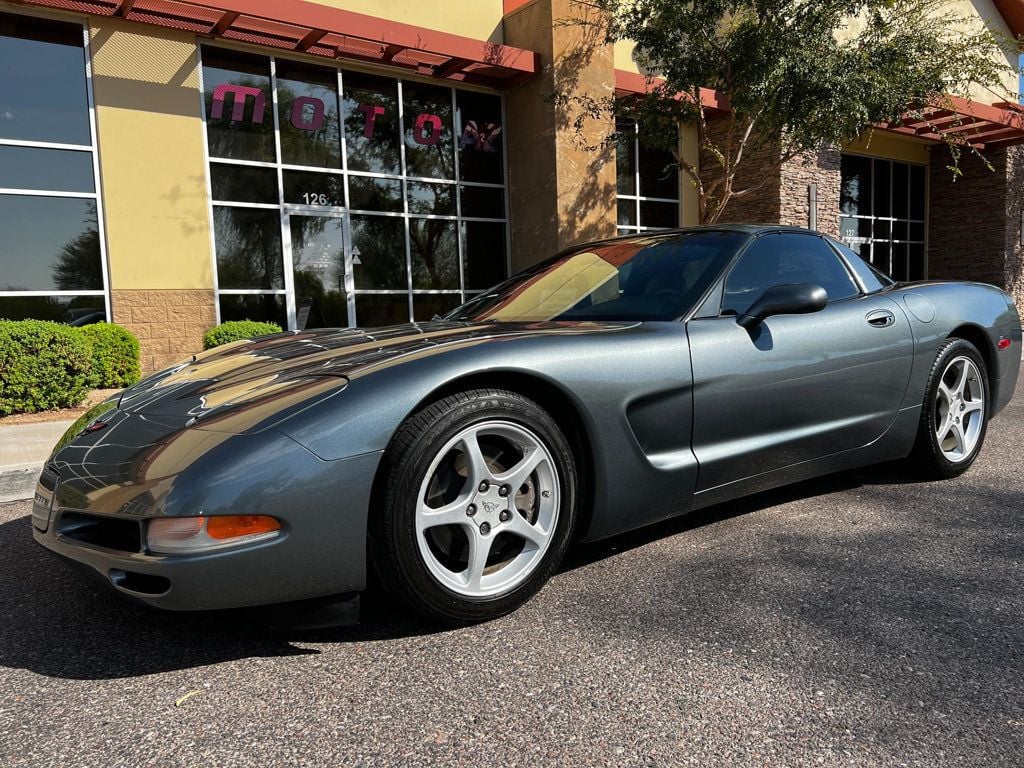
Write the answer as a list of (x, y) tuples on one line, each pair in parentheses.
[(820, 168), (974, 219), (782, 197), (169, 324)]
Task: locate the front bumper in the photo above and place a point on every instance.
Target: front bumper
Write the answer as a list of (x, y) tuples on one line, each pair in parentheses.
[(321, 551)]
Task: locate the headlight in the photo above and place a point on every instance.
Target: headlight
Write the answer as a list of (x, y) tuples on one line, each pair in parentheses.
[(190, 535)]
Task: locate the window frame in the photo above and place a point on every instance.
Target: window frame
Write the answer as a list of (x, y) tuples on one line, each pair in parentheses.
[(637, 199), (855, 242), (345, 211), (93, 148), (727, 273)]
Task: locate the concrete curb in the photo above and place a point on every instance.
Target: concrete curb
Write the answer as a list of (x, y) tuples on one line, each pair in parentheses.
[(19, 481), (23, 451)]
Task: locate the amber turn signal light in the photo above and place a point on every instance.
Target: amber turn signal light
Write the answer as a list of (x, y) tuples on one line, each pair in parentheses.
[(233, 526)]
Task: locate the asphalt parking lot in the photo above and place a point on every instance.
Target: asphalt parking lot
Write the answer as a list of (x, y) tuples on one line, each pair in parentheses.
[(855, 620)]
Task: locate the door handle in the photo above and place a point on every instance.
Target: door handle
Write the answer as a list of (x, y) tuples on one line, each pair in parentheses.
[(881, 318)]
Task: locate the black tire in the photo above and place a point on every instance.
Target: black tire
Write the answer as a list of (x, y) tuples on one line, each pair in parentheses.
[(927, 456), (394, 550)]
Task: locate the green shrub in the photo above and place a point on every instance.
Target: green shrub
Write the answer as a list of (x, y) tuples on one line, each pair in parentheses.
[(115, 356), (43, 366), (236, 330)]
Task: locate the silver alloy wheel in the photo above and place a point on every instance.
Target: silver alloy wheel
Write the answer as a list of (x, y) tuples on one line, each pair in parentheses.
[(487, 509), (959, 409)]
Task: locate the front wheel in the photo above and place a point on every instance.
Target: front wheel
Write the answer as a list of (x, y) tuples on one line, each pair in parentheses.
[(954, 416), (478, 500)]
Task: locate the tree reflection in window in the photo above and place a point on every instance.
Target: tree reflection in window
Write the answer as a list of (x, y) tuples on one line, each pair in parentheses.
[(78, 266), (248, 248)]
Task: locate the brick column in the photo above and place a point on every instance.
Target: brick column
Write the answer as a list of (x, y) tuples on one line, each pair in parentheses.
[(974, 219), (169, 324), (560, 193)]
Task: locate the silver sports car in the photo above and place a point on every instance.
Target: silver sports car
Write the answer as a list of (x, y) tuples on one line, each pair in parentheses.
[(614, 385)]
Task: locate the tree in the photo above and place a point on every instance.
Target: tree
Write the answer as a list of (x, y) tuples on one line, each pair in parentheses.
[(798, 75)]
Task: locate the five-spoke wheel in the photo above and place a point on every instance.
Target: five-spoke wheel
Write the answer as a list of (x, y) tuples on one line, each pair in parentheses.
[(955, 413), (487, 508), (478, 506), (960, 409)]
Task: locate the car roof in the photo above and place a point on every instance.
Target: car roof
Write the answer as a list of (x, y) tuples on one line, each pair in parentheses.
[(750, 229)]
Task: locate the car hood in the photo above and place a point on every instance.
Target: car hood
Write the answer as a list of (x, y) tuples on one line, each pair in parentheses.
[(267, 380)]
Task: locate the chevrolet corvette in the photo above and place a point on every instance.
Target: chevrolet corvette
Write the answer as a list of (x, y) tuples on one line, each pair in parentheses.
[(616, 384)]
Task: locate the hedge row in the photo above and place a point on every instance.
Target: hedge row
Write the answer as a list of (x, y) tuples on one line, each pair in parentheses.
[(236, 330), (46, 365)]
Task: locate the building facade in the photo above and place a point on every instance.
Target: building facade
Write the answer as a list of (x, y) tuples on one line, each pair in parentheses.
[(169, 165)]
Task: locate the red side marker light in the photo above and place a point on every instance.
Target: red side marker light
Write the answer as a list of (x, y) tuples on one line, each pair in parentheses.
[(95, 426), (1003, 343)]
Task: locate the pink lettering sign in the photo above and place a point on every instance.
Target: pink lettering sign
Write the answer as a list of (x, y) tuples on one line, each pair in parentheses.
[(427, 129), (370, 114), (483, 137), (307, 113), (239, 94)]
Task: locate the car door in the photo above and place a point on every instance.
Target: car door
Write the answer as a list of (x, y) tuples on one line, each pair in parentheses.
[(794, 387)]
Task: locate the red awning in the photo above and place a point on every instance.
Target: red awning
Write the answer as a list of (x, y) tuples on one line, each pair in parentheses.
[(966, 122), (628, 83), (297, 25)]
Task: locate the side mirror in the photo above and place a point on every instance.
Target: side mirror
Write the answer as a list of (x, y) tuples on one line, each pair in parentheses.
[(790, 299)]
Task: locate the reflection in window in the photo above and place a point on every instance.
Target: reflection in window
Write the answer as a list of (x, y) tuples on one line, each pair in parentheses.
[(436, 199), (49, 244), (374, 309), (647, 182), (265, 307), (307, 99), (318, 259), (378, 242), (73, 310), (778, 259), (42, 94), (314, 189), (657, 277), (484, 262), (435, 254), (236, 88), (427, 306), (54, 170), (480, 137), (51, 261), (428, 131), (248, 243), (371, 123), (243, 184), (366, 193)]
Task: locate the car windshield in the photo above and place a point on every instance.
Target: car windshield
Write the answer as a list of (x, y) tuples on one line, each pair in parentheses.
[(658, 277)]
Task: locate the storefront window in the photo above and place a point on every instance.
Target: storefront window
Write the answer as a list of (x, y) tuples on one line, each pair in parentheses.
[(647, 182), (882, 214), (51, 263), (364, 200)]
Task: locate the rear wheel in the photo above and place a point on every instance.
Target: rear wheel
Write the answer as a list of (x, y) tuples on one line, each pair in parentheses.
[(954, 416), (479, 494)]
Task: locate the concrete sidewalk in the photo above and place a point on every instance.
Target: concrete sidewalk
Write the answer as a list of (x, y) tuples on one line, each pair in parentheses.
[(23, 449)]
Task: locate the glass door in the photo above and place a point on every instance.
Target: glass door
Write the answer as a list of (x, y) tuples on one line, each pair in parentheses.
[(321, 269)]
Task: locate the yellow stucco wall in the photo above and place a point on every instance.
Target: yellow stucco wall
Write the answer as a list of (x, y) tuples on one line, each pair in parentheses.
[(479, 19), (891, 146), (152, 171)]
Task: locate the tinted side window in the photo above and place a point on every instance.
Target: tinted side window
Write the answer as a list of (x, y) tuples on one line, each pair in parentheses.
[(779, 259), (870, 277)]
